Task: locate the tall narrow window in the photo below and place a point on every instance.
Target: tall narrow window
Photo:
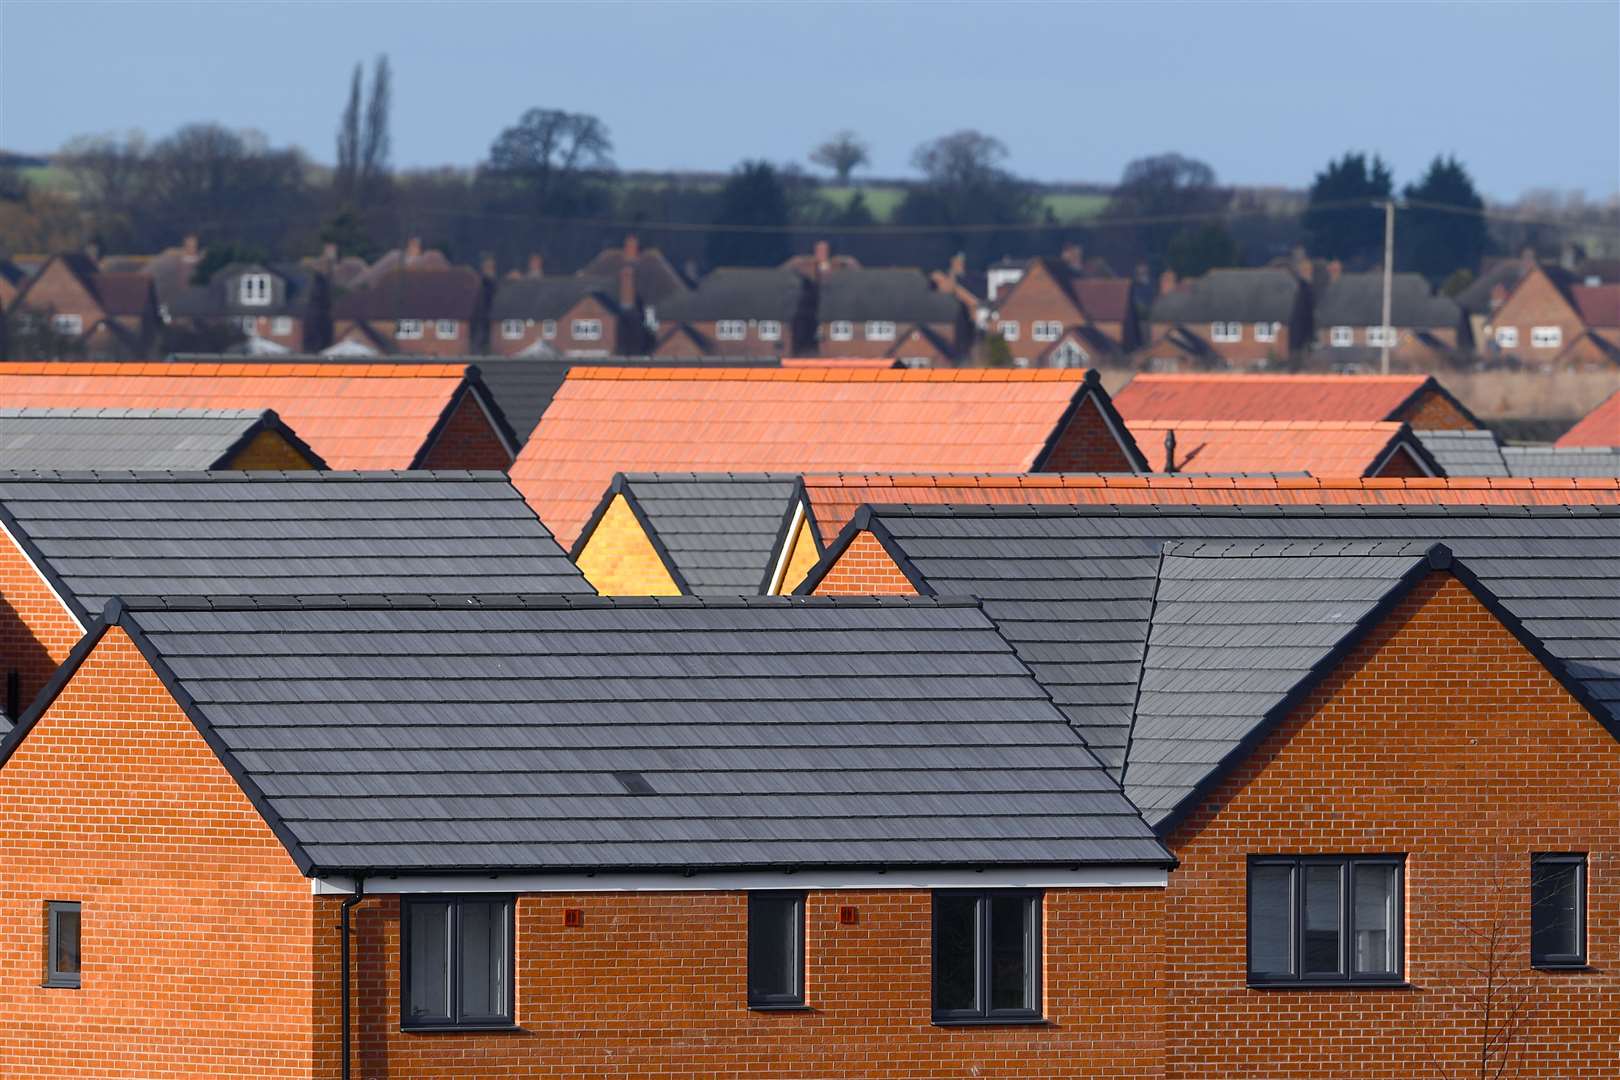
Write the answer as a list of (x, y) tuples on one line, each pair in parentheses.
[(775, 950), (1325, 919), (987, 950), (458, 959), (1558, 910), (62, 944)]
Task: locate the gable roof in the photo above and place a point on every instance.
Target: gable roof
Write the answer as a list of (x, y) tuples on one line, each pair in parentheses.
[(549, 297), (1274, 397), (738, 293), (893, 294), (1240, 295), (1465, 453), (656, 276), (607, 420), (1318, 447), (126, 293), (1599, 305), (1600, 427), (184, 439), (313, 534), (1074, 588), (719, 534), (298, 288), (453, 292), (355, 416), (1575, 461), (1358, 300), (591, 734), (1099, 299)]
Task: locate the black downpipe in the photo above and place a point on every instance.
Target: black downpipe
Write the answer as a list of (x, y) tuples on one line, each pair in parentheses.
[(343, 924)]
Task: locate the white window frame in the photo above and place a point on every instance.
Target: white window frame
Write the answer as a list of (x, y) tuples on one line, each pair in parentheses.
[(1341, 337), (511, 329), (68, 324), (1266, 332), (1046, 330), (408, 330), (731, 330), (1008, 329), (1507, 337), (548, 329), (585, 329), (1546, 337), (446, 330), (1377, 335), (1069, 355), (281, 325), (1226, 332), (770, 330), (841, 331), (879, 330), (255, 290), (249, 325)]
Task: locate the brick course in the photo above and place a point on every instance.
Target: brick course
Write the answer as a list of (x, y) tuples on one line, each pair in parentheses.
[(468, 440), (620, 560), (864, 569), (36, 629), (1087, 444), (1433, 411)]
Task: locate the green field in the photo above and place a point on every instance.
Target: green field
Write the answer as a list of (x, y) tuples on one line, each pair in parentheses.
[(882, 201)]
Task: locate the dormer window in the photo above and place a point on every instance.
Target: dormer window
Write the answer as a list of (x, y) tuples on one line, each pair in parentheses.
[(254, 290)]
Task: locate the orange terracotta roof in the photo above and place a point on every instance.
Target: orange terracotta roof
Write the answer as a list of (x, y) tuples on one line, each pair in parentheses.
[(1600, 427), (1266, 397), (1318, 447), (605, 420), (846, 363), (834, 497), (356, 416)]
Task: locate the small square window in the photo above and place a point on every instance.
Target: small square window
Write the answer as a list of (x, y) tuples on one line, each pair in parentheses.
[(731, 329), (1009, 330), (281, 325), (457, 955), (880, 331), (775, 950), (67, 324), (62, 944), (587, 329), (1558, 910), (987, 956), (408, 329), (249, 325), (1342, 336), (1380, 335), (1546, 337), (769, 330), (1226, 331), (1325, 919), (1507, 337), (841, 331), (548, 329), (511, 329), (1266, 331), (446, 330)]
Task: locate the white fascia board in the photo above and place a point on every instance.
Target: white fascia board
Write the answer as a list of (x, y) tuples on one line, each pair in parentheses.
[(1035, 877)]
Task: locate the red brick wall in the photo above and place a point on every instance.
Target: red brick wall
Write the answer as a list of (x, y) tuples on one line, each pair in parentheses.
[(1401, 464), (1432, 411), (864, 569), (609, 344), (1439, 737), (653, 985), (1087, 445), (467, 441), (1035, 297), (427, 345), (199, 935), (36, 631), (1536, 301)]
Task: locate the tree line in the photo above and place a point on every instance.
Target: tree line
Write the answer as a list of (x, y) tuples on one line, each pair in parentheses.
[(549, 183)]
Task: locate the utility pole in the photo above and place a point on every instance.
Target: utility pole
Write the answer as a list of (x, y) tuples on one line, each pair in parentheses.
[(1389, 275)]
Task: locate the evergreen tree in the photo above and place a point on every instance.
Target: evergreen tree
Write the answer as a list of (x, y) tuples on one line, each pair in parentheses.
[(1355, 233), (1442, 230), (755, 197)]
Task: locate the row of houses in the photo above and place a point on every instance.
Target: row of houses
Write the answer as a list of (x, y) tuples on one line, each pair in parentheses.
[(1060, 312), (1131, 774)]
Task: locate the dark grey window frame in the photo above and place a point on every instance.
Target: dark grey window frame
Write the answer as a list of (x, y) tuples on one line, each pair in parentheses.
[(1033, 949), (66, 980), (780, 1002), (1298, 979), (453, 1022), (1561, 961)]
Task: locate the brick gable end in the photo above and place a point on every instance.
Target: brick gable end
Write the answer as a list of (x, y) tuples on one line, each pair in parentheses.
[(864, 568), (1087, 444)]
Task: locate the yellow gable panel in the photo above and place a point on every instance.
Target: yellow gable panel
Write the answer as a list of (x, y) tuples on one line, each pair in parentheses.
[(802, 555), (619, 559), (269, 450)]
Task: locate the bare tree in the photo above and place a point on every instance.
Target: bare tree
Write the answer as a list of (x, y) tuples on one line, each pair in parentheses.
[(363, 140), (843, 154), (112, 174), (551, 152), (344, 181)]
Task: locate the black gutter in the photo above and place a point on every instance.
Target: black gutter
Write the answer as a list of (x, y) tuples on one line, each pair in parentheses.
[(344, 927)]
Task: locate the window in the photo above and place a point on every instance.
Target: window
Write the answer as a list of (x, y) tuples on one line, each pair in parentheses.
[(511, 329), (457, 969), (281, 325), (775, 950), (548, 329), (67, 324), (586, 329), (1226, 331), (1507, 337), (841, 331), (987, 956), (880, 331), (1546, 337), (1046, 330), (1325, 919), (731, 330), (446, 330), (254, 289), (1266, 331), (770, 330), (1380, 335), (62, 944), (408, 329), (249, 325), (1009, 330), (1558, 910), (1342, 337), (1068, 355)]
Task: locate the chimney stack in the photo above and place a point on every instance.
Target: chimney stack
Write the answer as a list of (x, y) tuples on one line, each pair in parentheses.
[(627, 286), (632, 248), (1167, 282), (1075, 256), (1335, 268), (189, 247), (329, 254), (1170, 451), (1499, 295), (958, 267), (413, 248), (823, 256), (487, 264), (93, 250), (536, 264), (1527, 255)]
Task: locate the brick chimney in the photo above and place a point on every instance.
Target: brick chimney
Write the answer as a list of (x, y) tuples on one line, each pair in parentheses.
[(189, 248), (487, 265), (1167, 282), (1075, 256), (1527, 255), (329, 254), (413, 248), (536, 264), (958, 267), (627, 286), (632, 248), (1499, 295), (1335, 268), (823, 256)]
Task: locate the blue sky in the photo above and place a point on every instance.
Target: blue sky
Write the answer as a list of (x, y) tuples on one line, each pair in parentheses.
[(1528, 95)]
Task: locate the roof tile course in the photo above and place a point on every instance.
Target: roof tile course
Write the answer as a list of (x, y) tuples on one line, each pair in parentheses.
[(1319, 447), (185, 439), (1600, 427), (1266, 397)]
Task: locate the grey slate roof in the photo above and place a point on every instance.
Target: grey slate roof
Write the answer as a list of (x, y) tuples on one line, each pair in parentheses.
[(1073, 588), (897, 294), (1593, 461), (1464, 453), (739, 293), (1243, 295), (141, 535), (718, 532), (184, 439), (549, 297), (1358, 300), (512, 737)]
